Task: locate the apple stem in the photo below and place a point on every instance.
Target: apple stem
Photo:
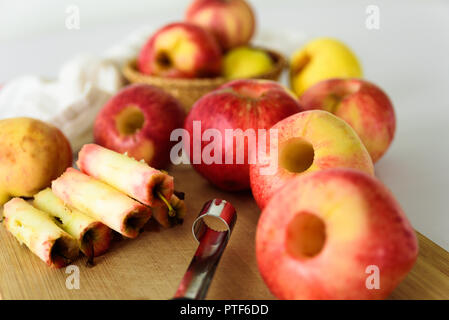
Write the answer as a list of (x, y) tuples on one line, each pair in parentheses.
[(171, 211)]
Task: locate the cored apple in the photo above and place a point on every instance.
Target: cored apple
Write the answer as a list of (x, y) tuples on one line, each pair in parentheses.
[(181, 50), (334, 234), (229, 112), (139, 120), (231, 21), (363, 105), (308, 141)]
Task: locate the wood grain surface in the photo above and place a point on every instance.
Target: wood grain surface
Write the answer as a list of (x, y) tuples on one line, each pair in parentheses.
[(151, 266)]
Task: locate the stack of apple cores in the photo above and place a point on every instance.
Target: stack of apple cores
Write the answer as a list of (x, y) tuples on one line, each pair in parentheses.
[(149, 186), (93, 237), (38, 231), (102, 202)]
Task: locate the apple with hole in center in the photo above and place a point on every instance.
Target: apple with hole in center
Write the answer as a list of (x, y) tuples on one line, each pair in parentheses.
[(139, 120), (234, 112), (363, 105), (231, 21), (334, 234), (181, 50), (308, 141)]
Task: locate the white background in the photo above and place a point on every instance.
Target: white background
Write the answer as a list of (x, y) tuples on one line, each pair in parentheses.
[(408, 57)]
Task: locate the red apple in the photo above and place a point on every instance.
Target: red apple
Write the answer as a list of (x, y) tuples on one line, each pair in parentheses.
[(363, 105), (231, 21), (240, 104), (181, 50), (309, 141), (139, 120), (334, 234)]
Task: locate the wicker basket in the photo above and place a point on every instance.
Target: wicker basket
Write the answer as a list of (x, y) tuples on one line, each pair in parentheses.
[(187, 91)]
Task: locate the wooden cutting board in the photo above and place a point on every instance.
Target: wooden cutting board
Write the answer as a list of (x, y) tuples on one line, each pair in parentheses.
[(151, 266)]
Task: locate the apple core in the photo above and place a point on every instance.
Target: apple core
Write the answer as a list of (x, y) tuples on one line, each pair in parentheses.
[(129, 120), (61, 250), (306, 236), (135, 221), (296, 155)]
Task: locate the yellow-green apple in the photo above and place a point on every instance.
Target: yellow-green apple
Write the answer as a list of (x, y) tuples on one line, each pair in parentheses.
[(231, 21), (321, 59), (235, 113), (139, 120), (334, 234), (308, 141), (363, 105), (32, 154), (181, 50), (246, 62)]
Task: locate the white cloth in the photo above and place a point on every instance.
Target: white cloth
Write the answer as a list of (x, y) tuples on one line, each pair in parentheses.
[(71, 102)]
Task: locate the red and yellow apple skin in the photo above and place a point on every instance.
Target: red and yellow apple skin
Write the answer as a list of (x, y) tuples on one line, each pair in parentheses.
[(181, 50), (101, 202), (239, 104), (232, 22), (134, 178), (320, 234), (139, 120), (33, 153), (363, 105), (308, 141)]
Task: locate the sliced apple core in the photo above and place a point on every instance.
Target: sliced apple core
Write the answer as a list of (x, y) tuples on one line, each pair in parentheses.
[(296, 155), (135, 221), (306, 235), (61, 250), (129, 120)]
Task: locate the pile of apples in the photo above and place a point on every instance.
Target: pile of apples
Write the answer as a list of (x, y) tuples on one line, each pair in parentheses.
[(211, 42), (326, 220)]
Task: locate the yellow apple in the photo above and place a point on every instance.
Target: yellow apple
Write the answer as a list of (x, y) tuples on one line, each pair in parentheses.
[(321, 59), (246, 62), (32, 154)]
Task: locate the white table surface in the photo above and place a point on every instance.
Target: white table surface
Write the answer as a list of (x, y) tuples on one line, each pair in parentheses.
[(408, 57)]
